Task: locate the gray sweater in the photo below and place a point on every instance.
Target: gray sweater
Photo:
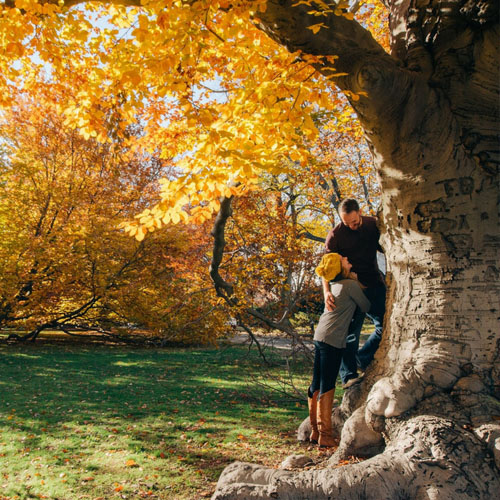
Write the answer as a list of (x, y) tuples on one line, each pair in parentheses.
[(333, 325)]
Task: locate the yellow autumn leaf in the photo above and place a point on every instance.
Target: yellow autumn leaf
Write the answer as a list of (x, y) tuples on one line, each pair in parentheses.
[(175, 217), (316, 27), (141, 233)]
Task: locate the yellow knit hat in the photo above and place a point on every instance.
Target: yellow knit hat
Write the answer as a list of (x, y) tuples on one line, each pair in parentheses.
[(329, 266)]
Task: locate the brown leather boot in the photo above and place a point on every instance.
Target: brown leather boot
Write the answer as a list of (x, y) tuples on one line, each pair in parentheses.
[(324, 418), (312, 402)]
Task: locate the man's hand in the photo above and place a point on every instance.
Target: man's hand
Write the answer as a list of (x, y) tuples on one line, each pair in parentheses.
[(329, 301)]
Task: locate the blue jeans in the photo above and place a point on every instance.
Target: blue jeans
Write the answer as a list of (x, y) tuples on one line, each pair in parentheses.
[(352, 357), (326, 367), (349, 365)]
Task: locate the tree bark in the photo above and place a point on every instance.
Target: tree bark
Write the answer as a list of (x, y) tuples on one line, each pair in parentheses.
[(443, 463)]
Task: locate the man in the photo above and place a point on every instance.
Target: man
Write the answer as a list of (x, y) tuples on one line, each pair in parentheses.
[(357, 238)]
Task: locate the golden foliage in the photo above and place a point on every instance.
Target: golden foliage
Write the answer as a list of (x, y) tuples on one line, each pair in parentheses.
[(209, 90)]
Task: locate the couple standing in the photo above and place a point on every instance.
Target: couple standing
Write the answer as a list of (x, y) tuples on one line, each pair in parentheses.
[(349, 294)]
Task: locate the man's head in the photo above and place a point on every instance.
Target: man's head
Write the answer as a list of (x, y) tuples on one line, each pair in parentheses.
[(350, 213)]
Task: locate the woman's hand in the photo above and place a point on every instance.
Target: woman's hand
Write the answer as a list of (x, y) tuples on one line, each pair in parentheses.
[(329, 301)]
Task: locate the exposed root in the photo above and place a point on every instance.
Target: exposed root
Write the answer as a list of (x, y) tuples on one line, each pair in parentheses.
[(431, 459), (358, 438), (244, 481)]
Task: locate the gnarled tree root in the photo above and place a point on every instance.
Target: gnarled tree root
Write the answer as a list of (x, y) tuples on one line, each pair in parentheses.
[(432, 458)]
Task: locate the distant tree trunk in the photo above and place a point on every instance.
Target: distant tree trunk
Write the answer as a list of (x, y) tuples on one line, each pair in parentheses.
[(428, 409)]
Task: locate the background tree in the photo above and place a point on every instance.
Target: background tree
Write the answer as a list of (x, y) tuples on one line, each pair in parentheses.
[(343, 165), (430, 112), (276, 234), (64, 264)]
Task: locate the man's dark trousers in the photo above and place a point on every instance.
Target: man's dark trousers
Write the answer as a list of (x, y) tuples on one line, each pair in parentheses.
[(352, 357)]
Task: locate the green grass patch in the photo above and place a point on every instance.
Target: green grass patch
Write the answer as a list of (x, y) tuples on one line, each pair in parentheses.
[(104, 422)]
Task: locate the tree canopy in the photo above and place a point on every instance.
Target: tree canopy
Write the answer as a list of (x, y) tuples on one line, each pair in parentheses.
[(210, 89), (141, 115)]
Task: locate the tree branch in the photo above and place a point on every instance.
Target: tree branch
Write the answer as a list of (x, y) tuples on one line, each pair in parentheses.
[(351, 44), (222, 288), (225, 289), (306, 234)]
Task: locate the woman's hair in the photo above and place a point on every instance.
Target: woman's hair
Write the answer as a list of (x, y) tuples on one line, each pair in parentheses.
[(343, 275)]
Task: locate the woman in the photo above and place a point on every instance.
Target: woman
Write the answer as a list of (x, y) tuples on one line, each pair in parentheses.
[(330, 341)]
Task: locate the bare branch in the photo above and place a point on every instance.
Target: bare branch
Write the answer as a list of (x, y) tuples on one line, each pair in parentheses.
[(225, 289), (253, 338)]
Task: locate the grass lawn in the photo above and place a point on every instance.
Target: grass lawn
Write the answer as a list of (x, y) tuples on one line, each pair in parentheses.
[(88, 421)]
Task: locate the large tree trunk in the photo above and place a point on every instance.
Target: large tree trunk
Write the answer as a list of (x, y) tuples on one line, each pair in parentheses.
[(430, 400)]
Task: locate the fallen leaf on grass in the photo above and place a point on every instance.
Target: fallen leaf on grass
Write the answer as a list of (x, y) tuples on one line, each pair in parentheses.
[(131, 463), (343, 462)]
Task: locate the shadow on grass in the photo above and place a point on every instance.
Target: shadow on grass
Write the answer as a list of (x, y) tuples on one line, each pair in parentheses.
[(88, 409)]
